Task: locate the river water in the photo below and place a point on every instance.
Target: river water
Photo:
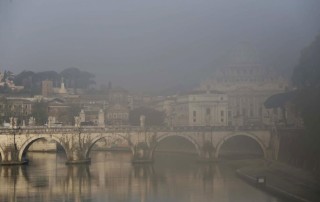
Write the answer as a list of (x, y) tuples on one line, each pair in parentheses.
[(111, 177)]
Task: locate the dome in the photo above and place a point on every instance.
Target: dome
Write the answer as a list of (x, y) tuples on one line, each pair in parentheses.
[(242, 55)]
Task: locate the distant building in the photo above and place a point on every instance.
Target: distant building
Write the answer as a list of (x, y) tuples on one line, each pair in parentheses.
[(119, 106), (47, 88), (20, 108), (201, 108), (118, 115), (248, 84), (60, 110), (168, 109), (62, 90)]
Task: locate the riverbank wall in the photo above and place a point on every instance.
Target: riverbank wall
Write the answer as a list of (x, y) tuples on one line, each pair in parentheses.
[(290, 183)]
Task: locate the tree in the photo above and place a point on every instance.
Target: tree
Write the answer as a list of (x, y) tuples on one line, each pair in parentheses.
[(74, 78), (307, 73), (5, 89), (153, 117), (8, 75), (24, 78), (32, 81), (306, 78), (45, 75), (85, 80), (48, 75)]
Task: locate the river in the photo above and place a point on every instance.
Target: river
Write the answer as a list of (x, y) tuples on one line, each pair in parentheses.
[(112, 177)]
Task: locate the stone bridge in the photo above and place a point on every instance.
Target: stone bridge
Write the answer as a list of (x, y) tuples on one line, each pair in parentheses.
[(78, 142)]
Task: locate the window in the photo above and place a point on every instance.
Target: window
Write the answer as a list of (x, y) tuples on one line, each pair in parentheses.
[(222, 113), (194, 113)]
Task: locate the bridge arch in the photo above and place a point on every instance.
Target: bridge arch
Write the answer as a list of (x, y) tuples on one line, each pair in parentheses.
[(251, 136), (168, 135), (29, 142), (96, 139)]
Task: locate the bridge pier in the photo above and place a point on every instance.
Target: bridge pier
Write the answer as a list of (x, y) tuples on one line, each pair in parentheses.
[(77, 156), (142, 153), (11, 156), (207, 153)]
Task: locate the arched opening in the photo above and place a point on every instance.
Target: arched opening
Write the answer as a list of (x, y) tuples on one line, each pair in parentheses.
[(109, 143), (176, 144), (175, 149), (175, 154), (240, 147), (39, 149)]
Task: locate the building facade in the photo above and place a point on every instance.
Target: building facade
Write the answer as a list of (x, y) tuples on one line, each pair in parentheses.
[(19, 108), (201, 108), (47, 88), (118, 106)]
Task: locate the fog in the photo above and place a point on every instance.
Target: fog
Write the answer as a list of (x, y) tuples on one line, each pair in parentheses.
[(152, 45)]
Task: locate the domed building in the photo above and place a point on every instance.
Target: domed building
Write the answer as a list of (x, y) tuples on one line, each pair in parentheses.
[(248, 84)]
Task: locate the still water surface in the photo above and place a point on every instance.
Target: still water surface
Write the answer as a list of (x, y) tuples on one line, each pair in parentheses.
[(111, 177)]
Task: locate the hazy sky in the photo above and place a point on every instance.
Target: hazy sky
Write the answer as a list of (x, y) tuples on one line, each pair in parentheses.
[(150, 44)]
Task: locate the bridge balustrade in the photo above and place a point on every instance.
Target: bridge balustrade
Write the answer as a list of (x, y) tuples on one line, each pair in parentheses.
[(70, 129)]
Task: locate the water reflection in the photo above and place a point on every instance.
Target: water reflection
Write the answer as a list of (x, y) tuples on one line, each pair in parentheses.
[(111, 177)]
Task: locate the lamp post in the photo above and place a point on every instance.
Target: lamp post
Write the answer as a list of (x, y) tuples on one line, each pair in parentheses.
[(14, 151), (79, 136)]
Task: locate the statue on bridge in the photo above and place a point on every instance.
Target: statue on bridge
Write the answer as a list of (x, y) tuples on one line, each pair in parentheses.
[(76, 121), (31, 121)]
